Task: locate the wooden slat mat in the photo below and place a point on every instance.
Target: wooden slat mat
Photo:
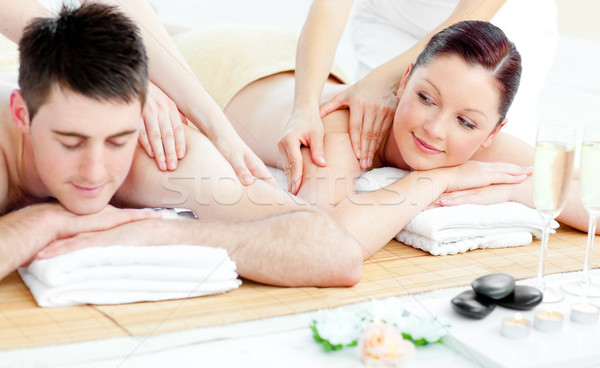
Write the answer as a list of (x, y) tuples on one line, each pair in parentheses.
[(395, 270)]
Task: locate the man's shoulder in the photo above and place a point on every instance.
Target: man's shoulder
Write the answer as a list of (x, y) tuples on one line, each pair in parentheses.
[(9, 146)]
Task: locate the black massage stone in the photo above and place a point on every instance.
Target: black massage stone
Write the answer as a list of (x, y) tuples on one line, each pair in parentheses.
[(494, 286), (522, 298), (469, 304)]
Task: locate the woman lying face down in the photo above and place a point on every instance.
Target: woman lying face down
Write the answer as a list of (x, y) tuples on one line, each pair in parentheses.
[(452, 105)]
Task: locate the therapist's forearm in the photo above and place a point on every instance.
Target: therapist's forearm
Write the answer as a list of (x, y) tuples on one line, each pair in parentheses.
[(316, 49), (15, 15), (170, 72)]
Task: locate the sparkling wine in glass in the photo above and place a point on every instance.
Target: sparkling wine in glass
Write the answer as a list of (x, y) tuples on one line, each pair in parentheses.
[(589, 188), (552, 175)]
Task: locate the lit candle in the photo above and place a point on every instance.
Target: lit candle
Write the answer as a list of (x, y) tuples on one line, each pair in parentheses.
[(584, 313), (515, 327), (548, 321)]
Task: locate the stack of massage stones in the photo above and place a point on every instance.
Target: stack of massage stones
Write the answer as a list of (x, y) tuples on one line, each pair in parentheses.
[(495, 289)]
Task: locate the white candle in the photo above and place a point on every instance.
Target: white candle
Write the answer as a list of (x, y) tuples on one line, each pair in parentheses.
[(515, 327), (584, 313), (548, 321)]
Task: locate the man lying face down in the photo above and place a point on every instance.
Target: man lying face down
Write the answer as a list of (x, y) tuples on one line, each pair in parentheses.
[(69, 135)]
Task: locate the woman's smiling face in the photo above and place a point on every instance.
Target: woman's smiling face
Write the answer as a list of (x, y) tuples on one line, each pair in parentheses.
[(447, 109)]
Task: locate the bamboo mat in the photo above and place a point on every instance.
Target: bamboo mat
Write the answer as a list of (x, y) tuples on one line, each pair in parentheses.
[(395, 270)]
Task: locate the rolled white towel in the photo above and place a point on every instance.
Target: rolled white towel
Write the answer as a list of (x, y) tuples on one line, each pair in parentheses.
[(457, 229), (126, 274)]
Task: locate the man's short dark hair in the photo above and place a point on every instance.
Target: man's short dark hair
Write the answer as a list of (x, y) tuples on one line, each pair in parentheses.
[(93, 50)]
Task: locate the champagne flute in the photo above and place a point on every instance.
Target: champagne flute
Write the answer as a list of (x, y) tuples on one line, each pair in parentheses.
[(552, 176), (589, 187)]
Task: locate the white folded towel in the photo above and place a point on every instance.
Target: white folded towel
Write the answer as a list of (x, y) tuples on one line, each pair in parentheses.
[(457, 229), (126, 274)]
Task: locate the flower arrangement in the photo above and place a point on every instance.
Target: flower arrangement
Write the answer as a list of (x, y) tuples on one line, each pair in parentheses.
[(384, 331)]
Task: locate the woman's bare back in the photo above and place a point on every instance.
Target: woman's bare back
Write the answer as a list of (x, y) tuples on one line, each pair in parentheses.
[(259, 113)]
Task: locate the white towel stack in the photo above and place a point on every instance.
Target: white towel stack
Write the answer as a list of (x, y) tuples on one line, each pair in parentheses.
[(457, 229), (126, 274)]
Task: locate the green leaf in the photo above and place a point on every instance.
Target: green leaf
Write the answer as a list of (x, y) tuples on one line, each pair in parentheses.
[(420, 342), (316, 333)]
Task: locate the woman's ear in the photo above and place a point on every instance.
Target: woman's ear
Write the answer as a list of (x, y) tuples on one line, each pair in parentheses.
[(19, 112), (493, 134), (403, 81)]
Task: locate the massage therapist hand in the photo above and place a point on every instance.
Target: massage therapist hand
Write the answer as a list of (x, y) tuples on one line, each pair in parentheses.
[(162, 135), (163, 138), (244, 161), (372, 102), (304, 128)]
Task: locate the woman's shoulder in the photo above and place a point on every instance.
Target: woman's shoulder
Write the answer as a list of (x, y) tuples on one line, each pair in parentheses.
[(336, 122), (506, 148), (338, 148)]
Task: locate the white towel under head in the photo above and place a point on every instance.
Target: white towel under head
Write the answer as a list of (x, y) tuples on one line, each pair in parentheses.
[(126, 274), (457, 229)]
